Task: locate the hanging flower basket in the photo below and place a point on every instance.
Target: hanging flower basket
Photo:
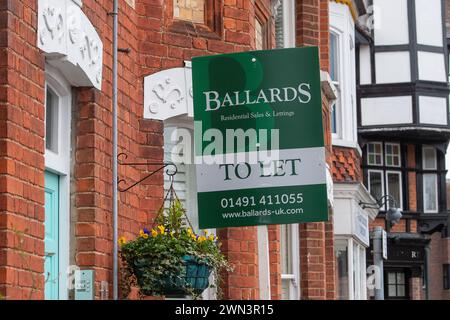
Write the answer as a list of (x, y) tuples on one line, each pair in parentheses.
[(195, 278), (170, 259)]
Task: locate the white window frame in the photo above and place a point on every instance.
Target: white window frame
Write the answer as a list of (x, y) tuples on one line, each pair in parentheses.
[(400, 201), (60, 164), (381, 172), (381, 154), (386, 154), (294, 252)]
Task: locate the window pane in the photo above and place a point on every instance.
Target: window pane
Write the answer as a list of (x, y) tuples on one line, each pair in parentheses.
[(285, 286), (400, 278), (260, 36), (342, 285), (430, 192), (391, 278), (190, 10), (376, 184), (285, 247), (374, 154), (334, 57), (392, 154), (392, 290), (401, 290), (51, 121), (333, 119), (429, 158), (394, 187)]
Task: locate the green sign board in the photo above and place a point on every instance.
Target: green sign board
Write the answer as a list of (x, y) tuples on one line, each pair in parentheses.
[(259, 143)]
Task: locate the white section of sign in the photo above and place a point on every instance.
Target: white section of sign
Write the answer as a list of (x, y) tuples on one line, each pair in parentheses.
[(292, 167)]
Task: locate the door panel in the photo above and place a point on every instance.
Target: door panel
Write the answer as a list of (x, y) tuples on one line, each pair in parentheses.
[(51, 236)]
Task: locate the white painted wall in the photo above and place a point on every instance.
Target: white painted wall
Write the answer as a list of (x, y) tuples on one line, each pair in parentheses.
[(433, 110), (365, 76), (432, 66), (429, 22), (392, 67), (391, 22), (386, 110)]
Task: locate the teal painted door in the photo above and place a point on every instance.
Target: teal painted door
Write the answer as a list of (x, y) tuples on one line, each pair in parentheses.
[(51, 236)]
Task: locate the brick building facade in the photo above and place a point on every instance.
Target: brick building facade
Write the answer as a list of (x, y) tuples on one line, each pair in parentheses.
[(43, 59)]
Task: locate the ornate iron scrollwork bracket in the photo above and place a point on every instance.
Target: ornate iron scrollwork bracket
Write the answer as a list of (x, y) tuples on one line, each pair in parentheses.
[(171, 170)]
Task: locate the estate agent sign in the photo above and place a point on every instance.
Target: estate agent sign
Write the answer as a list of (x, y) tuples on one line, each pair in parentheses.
[(259, 138)]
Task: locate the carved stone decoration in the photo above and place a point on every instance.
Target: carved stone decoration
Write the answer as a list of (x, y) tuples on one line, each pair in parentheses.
[(166, 94), (70, 41), (53, 24)]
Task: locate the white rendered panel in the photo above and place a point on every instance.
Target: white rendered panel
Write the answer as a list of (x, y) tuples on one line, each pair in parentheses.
[(432, 66), (365, 76), (429, 22), (391, 22), (386, 110), (433, 110), (393, 67)]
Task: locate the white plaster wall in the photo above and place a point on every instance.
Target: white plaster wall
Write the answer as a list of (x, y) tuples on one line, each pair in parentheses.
[(386, 110), (429, 22), (392, 67), (433, 110), (365, 76), (432, 66), (391, 22)]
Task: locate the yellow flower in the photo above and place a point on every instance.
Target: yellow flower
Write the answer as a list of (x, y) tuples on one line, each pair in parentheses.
[(154, 233), (201, 238), (145, 236), (141, 233), (189, 231), (211, 238), (122, 240), (161, 229)]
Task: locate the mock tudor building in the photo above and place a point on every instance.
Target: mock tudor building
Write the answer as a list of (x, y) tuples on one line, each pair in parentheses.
[(56, 138), (403, 130)]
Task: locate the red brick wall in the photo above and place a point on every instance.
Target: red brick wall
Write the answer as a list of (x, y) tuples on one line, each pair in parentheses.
[(275, 261), (21, 153), (316, 239), (439, 255)]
